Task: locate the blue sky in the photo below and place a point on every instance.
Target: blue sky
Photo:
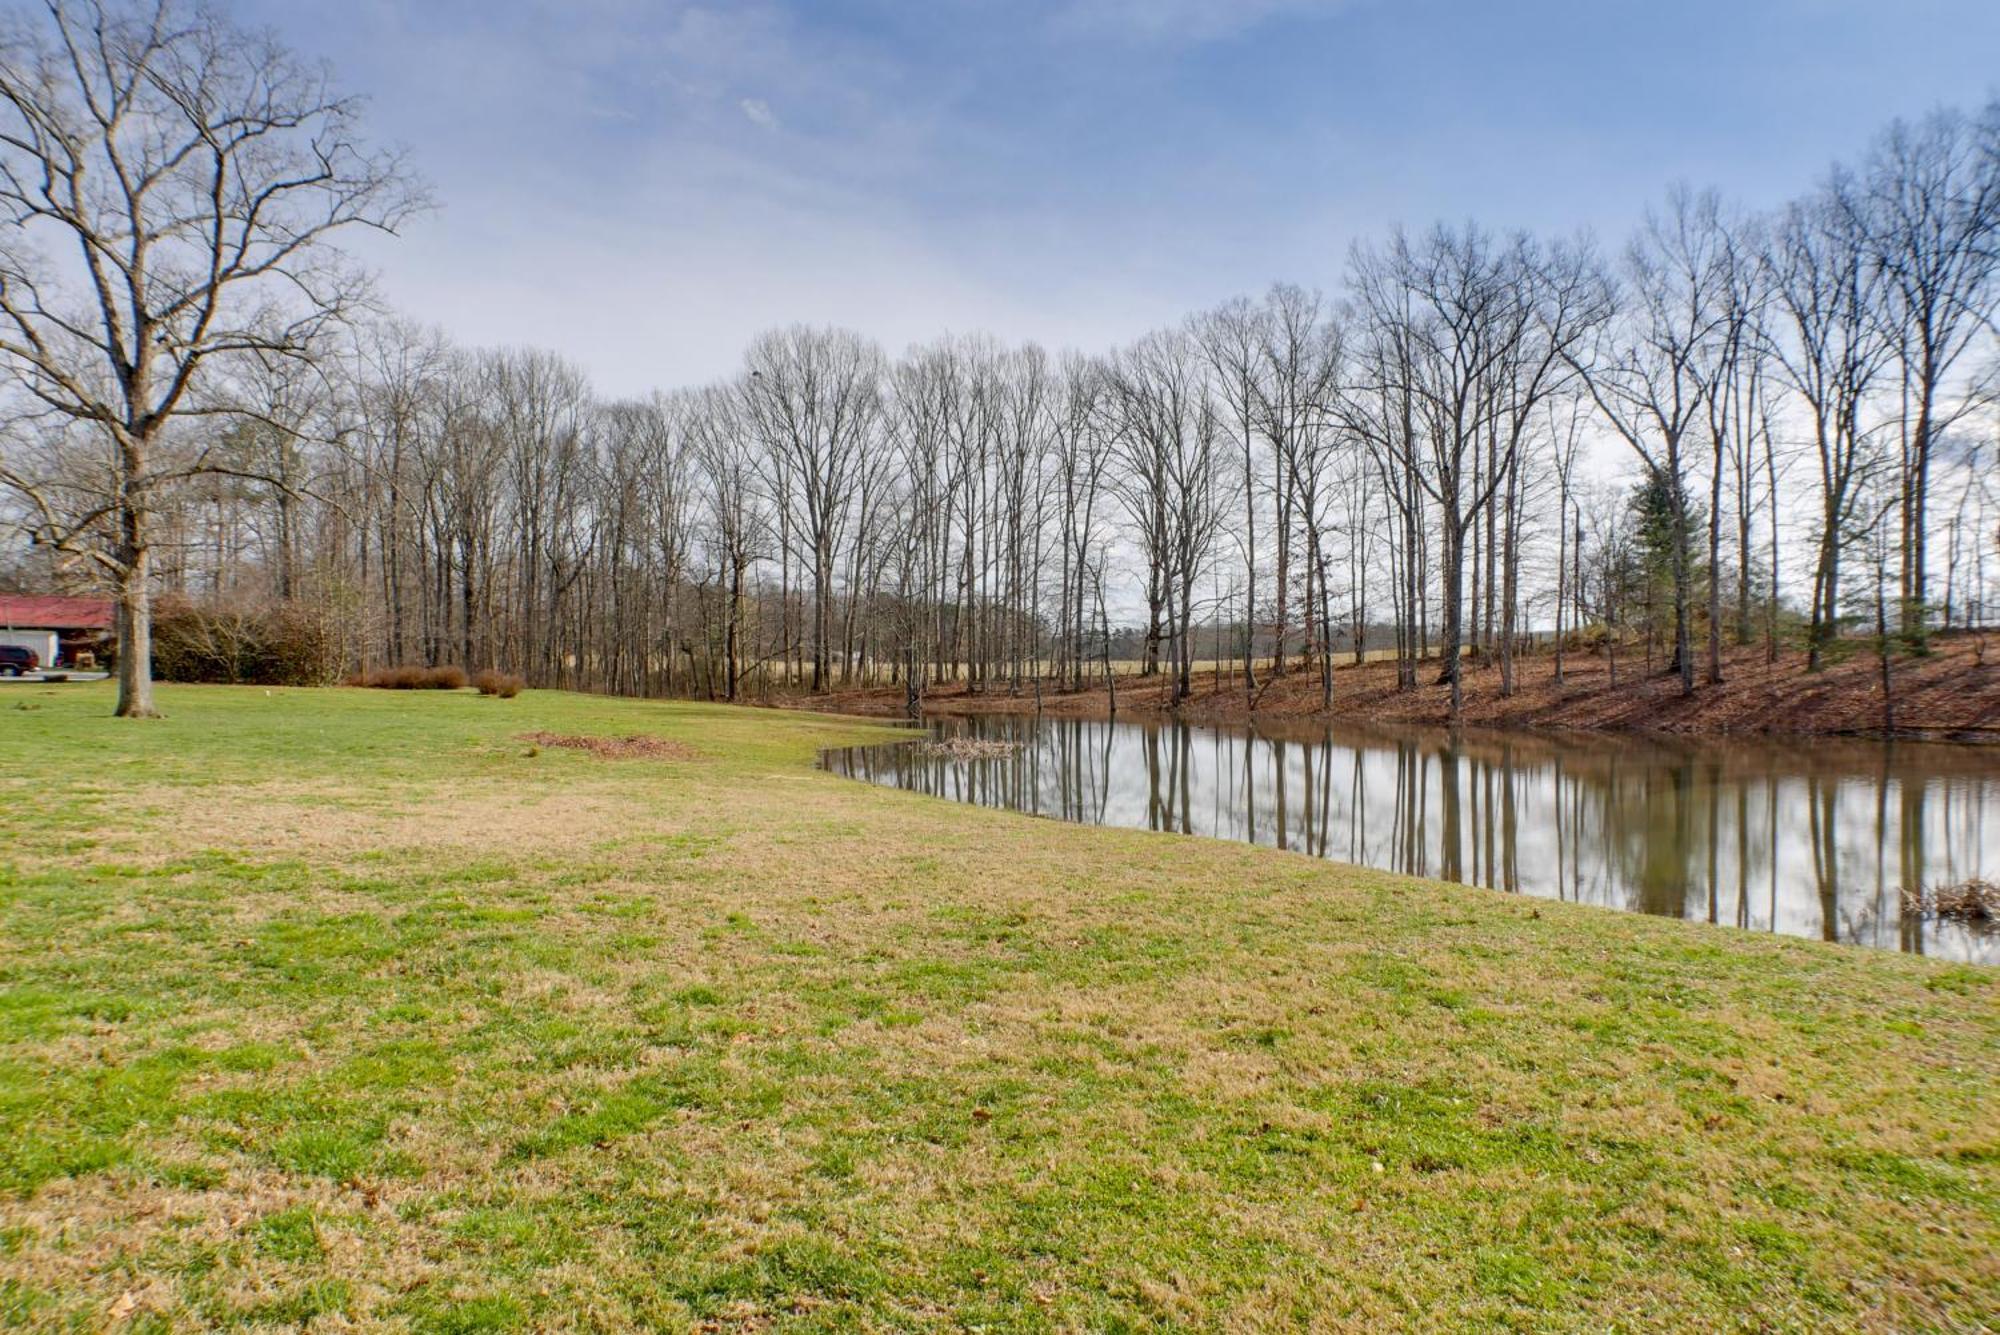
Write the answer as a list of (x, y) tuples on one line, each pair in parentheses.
[(644, 184)]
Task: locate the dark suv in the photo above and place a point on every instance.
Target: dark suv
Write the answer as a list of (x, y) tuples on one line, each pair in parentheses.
[(14, 660)]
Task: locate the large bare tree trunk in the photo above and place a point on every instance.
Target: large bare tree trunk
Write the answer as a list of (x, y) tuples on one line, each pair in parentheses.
[(135, 620)]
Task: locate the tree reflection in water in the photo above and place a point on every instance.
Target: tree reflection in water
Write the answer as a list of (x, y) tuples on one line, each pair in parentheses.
[(1809, 838)]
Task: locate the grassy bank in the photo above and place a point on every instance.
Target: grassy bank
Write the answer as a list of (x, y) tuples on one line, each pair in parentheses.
[(1952, 692), (350, 1008)]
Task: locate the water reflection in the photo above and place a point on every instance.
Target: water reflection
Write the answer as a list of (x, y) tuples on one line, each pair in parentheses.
[(1805, 838)]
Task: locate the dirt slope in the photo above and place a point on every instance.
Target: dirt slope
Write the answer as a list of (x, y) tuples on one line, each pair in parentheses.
[(1954, 692)]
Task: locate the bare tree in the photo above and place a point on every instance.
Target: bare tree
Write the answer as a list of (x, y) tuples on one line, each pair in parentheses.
[(815, 396), (172, 184), (1566, 420), (1557, 295), (1927, 207), (738, 523), (1082, 450), (1651, 378), (539, 408), (1451, 312), (924, 389), (1170, 448), (1832, 350), (1304, 361), (1233, 337), (1736, 380), (1379, 406), (397, 373)]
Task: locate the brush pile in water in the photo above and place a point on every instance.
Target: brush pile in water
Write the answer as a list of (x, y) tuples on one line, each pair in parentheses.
[(967, 748), (1967, 901)]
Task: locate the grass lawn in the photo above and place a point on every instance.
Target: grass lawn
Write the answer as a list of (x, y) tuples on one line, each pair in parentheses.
[(348, 1010)]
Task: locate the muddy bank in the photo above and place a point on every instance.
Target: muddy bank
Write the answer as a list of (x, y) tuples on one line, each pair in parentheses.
[(1952, 693)]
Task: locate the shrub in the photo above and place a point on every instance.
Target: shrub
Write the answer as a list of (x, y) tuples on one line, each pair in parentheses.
[(279, 644), (506, 685), (411, 678)]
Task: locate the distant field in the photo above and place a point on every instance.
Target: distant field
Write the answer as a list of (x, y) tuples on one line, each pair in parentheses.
[(351, 1010)]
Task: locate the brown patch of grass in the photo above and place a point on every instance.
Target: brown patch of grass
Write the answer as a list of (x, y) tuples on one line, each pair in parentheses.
[(345, 822), (638, 746)]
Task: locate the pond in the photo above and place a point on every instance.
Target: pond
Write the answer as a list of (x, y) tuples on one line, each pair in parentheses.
[(1808, 837)]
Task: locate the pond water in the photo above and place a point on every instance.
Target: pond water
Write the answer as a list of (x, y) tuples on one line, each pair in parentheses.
[(1811, 838)]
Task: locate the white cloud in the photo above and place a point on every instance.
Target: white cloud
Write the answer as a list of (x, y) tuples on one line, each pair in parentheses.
[(758, 112)]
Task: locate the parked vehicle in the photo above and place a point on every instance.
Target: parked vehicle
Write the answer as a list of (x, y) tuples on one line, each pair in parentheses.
[(15, 660)]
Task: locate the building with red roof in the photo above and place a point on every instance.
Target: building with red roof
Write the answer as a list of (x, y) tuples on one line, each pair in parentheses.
[(63, 631)]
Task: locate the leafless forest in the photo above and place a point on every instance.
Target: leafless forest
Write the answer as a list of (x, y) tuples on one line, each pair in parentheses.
[(1736, 426)]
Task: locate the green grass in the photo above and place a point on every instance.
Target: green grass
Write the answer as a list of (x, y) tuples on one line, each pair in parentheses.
[(346, 1010)]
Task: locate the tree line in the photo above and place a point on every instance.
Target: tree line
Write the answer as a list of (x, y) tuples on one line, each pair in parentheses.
[(202, 401)]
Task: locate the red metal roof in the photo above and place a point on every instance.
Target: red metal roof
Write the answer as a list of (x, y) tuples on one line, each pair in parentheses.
[(52, 612)]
